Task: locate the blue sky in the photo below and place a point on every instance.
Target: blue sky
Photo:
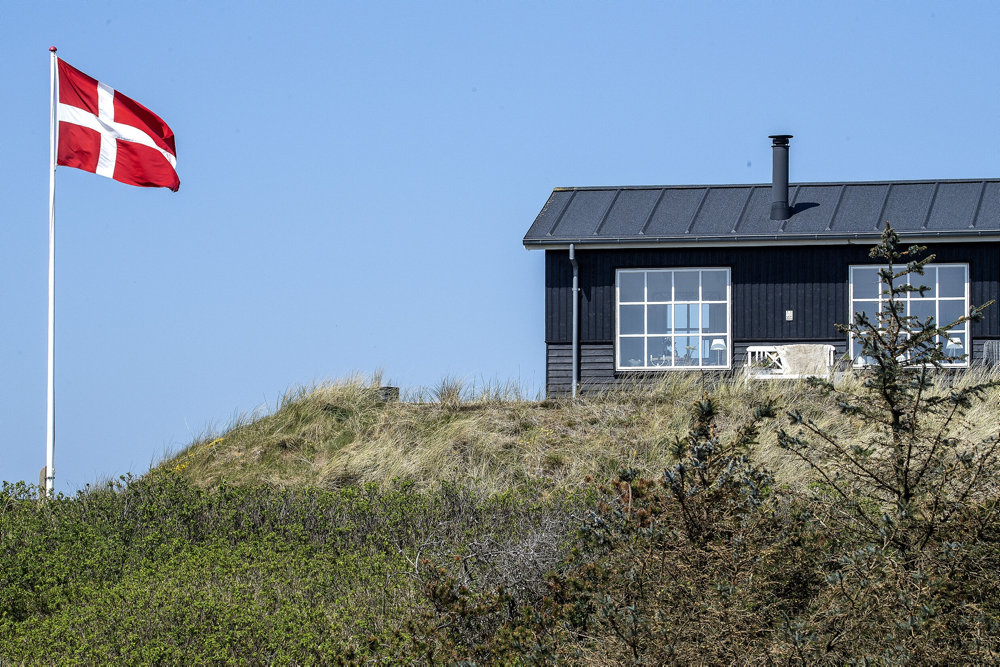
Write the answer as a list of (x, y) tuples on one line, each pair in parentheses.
[(356, 179)]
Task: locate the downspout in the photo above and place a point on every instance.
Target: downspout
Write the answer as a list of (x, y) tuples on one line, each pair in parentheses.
[(576, 314)]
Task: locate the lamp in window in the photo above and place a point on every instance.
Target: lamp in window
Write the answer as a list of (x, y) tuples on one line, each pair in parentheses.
[(718, 346), (954, 347)]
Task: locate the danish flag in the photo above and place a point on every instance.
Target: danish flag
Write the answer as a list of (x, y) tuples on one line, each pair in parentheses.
[(107, 133)]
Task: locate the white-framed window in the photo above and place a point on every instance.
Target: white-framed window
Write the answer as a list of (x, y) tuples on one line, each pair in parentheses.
[(946, 299), (672, 319)]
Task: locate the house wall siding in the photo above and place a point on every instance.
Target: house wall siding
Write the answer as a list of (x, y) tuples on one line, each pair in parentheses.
[(597, 366), (812, 281)]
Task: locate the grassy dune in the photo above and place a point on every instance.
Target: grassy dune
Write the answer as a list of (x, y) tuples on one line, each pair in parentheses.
[(340, 434)]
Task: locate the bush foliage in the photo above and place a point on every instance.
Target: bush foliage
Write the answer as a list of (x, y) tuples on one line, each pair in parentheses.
[(158, 570)]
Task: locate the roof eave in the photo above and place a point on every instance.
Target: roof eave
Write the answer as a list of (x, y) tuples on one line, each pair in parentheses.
[(759, 240)]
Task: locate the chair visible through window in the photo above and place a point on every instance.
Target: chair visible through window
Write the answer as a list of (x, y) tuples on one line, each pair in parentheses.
[(788, 362)]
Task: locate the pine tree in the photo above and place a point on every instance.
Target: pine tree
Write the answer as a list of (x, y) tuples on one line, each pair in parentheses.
[(908, 472)]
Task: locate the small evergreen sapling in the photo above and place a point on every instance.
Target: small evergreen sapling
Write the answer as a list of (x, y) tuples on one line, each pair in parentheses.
[(909, 473)]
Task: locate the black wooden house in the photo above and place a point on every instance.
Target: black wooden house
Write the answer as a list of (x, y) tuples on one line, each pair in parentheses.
[(689, 278)]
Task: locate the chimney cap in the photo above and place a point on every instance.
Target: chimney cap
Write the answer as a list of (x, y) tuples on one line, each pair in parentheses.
[(780, 139)]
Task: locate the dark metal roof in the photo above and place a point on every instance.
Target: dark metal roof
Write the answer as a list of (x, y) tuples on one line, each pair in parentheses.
[(822, 212)]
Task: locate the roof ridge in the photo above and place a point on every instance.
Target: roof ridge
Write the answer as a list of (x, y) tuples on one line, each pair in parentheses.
[(919, 181)]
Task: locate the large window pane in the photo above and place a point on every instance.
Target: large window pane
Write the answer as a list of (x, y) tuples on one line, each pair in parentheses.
[(631, 286), (868, 308), (856, 348), (923, 308), (686, 318), (713, 285), (660, 351), (630, 320), (713, 317), (658, 284), (686, 351), (866, 282), (928, 280), (955, 344), (715, 351), (658, 318), (951, 281), (686, 285), (630, 352), (949, 311)]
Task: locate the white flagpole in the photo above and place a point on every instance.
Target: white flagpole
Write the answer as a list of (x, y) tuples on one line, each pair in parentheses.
[(50, 403)]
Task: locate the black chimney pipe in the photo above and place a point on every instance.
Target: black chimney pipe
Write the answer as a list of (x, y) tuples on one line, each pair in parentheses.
[(779, 177)]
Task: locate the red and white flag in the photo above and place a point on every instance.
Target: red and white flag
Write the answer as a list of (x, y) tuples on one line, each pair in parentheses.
[(107, 133)]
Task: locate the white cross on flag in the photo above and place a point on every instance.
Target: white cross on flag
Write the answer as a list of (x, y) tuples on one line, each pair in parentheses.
[(107, 133)]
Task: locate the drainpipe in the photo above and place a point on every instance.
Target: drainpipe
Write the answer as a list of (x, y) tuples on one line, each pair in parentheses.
[(576, 314)]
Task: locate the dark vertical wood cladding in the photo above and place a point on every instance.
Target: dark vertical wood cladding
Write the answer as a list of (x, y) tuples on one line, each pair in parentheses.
[(984, 276), (558, 284), (811, 281)]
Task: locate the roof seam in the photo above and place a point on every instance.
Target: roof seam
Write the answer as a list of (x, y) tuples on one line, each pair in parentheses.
[(795, 197), (694, 217), (979, 204), (930, 206), (607, 211), (562, 213), (881, 211), (833, 215), (746, 205), (649, 218)]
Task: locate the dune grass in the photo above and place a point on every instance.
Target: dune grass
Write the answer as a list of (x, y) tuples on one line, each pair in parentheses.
[(493, 439)]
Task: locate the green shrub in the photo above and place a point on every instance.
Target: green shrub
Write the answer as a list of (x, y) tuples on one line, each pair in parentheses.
[(158, 570)]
